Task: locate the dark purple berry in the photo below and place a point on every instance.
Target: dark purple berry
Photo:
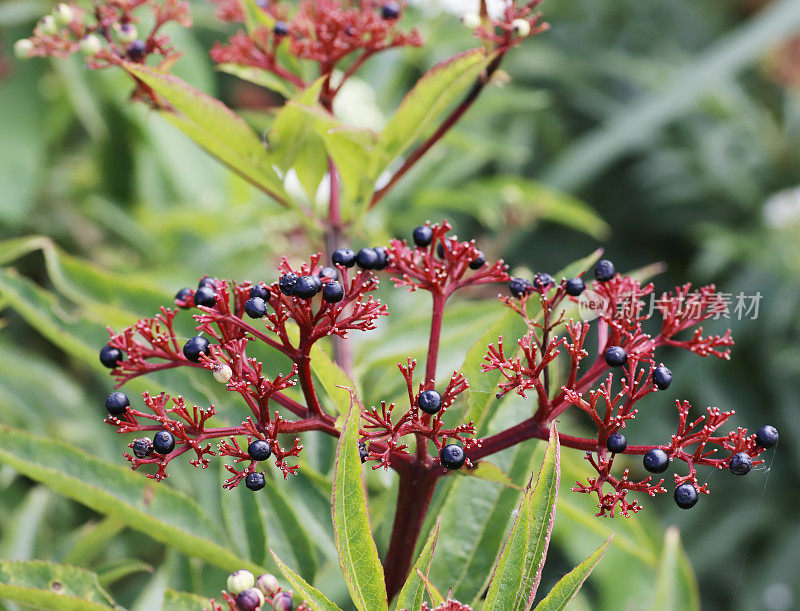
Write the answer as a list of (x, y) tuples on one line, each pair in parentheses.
[(575, 287), (541, 281), (452, 457), (259, 450), (110, 356), (741, 463), (519, 287), (662, 377), (333, 292), (367, 258), (195, 347), (429, 401), (249, 599), (255, 481), (259, 290), (137, 50), (206, 282), (142, 447), (656, 460), (478, 262), (163, 443), (423, 235), (255, 307), (117, 403), (767, 436), (390, 10), (329, 272), (616, 356), (362, 451), (344, 257), (287, 282), (616, 443), (686, 496), (305, 287), (604, 271), (383, 258), (184, 296), (281, 28), (205, 296)]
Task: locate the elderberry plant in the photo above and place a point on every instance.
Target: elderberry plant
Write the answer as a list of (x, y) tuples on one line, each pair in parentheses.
[(605, 368)]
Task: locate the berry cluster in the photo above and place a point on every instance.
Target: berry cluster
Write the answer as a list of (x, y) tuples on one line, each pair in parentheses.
[(245, 592), (624, 346)]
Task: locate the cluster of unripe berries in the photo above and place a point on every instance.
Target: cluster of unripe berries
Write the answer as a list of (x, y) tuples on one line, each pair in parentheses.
[(251, 592), (574, 287)]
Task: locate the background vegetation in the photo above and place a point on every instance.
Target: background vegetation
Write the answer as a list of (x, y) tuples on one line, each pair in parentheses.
[(676, 123)]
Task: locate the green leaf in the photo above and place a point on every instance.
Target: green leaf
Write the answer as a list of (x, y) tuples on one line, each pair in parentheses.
[(358, 555), (676, 585), (258, 76), (244, 522), (490, 472), (113, 571), (153, 509), (434, 594), (183, 601), (46, 585), (255, 17), (313, 597), (213, 126), (94, 539), (283, 518), (522, 559), (410, 596), (570, 583), (433, 94)]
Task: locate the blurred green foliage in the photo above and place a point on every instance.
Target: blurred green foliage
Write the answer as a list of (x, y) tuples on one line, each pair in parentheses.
[(664, 122)]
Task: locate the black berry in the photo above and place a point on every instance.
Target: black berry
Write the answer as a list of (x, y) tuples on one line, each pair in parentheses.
[(423, 235), (142, 448), (281, 28), (255, 481), (362, 451), (110, 356), (255, 307), (478, 262), (383, 258), (259, 290), (616, 356), (616, 443), (662, 377), (259, 450), (206, 282), (429, 401), (344, 257), (194, 347), (305, 287), (541, 281), (741, 463), (249, 599), (205, 296), (333, 292), (767, 436), (184, 296), (367, 258), (452, 457), (686, 496), (575, 287), (137, 50), (519, 287), (441, 246), (656, 460), (163, 443), (390, 10), (287, 282), (117, 403), (329, 272), (604, 271)]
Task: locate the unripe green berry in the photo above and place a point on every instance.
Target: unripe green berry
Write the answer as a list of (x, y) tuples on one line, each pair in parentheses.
[(239, 581), (23, 48), (268, 584), (90, 45), (222, 373), (521, 27), (471, 21), (63, 14), (127, 33), (48, 25)]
